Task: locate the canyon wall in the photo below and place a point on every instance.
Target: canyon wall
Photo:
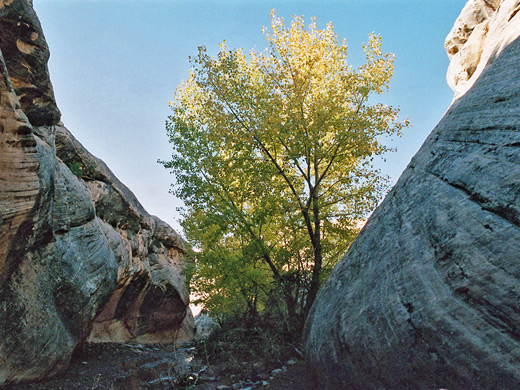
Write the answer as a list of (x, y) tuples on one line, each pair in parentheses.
[(427, 297), (80, 259)]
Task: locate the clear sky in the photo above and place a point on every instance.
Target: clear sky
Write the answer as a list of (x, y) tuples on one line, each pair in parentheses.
[(115, 64)]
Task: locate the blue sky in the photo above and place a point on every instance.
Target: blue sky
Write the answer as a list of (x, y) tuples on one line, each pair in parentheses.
[(115, 65)]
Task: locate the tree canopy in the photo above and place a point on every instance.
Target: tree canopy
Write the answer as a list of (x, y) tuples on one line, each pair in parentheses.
[(273, 158)]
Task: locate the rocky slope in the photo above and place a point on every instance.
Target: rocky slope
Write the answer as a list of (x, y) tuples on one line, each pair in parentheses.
[(79, 256), (428, 295)]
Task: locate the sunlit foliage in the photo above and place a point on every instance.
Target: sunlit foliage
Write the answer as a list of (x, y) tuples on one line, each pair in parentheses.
[(272, 156)]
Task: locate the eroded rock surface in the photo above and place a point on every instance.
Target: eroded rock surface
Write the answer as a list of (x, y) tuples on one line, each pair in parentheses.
[(26, 53), (428, 295), (150, 301), (57, 266), (79, 256), (483, 29)]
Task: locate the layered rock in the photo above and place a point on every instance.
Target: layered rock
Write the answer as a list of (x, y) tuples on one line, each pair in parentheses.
[(79, 256), (24, 46), (150, 301), (58, 268), (428, 295)]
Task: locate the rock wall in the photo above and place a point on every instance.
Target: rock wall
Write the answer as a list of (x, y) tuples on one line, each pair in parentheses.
[(428, 295), (79, 256), (479, 35), (149, 303)]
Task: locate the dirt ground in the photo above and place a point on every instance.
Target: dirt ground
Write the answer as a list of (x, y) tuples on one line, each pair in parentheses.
[(134, 367)]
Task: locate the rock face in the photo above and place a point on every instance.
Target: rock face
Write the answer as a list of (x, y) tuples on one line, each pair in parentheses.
[(79, 256), (23, 44), (149, 303), (428, 295), (480, 33)]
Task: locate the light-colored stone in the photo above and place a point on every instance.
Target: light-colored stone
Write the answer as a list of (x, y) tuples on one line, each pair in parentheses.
[(474, 13), (205, 326), (481, 32), (464, 63), (427, 296)]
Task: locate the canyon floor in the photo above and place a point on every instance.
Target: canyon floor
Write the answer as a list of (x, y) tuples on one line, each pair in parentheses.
[(134, 366)]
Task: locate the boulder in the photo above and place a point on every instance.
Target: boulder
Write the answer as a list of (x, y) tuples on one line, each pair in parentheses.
[(80, 259), (205, 326), (427, 296)]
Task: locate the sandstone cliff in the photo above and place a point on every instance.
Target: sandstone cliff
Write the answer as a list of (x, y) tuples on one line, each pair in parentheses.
[(79, 256), (428, 295)]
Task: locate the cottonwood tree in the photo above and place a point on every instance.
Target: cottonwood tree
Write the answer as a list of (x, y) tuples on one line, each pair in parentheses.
[(272, 156)]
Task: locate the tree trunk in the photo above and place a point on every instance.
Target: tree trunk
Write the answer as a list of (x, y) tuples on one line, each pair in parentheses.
[(318, 257)]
